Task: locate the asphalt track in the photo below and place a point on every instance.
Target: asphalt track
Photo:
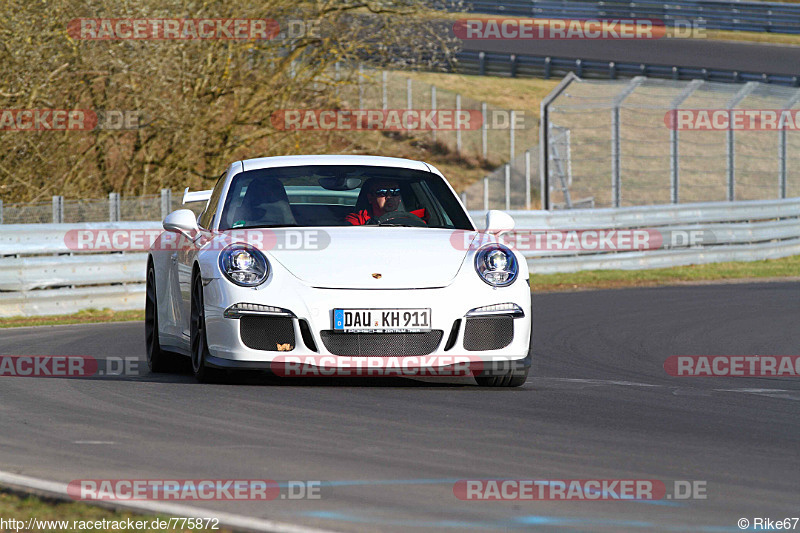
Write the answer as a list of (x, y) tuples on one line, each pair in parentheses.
[(598, 405), (702, 53)]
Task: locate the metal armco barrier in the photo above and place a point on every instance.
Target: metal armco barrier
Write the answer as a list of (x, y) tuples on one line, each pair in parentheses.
[(518, 65), (774, 17), (739, 231), (41, 275)]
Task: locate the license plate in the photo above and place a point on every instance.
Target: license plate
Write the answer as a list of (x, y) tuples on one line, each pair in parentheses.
[(382, 320)]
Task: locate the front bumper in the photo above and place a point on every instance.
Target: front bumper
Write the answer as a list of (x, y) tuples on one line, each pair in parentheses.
[(314, 307)]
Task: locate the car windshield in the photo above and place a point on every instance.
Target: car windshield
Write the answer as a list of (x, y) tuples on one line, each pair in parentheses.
[(338, 195)]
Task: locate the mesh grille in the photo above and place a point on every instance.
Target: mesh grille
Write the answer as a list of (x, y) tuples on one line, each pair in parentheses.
[(367, 344), (267, 332), (490, 333)]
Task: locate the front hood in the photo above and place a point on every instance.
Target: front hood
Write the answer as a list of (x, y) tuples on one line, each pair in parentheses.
[(352, 257)]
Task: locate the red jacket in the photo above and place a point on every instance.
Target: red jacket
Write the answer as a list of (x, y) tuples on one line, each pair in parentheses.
[(360, 218)]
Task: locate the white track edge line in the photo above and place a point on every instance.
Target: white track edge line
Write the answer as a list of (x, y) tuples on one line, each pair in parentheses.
[(240, 522)]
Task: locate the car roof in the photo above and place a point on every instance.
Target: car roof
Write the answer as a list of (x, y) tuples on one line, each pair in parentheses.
[(367, 160)]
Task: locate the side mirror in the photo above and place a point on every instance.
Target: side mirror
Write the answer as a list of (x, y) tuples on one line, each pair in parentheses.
[(182, 221), (498, 222)]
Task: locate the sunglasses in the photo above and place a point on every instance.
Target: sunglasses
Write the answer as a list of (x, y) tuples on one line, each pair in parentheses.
[(386, 192)]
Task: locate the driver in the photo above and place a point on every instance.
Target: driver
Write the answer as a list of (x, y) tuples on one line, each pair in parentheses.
[(383, 196)]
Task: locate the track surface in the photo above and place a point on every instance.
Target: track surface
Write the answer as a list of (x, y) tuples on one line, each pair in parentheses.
[(598, 405), (726, 55)]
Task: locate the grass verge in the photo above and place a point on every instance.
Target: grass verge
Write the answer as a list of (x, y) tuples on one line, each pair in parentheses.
[(87, 316), (786, 268), (23, 508)]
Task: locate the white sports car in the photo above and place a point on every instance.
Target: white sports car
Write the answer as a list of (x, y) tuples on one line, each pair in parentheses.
[(336, 259)]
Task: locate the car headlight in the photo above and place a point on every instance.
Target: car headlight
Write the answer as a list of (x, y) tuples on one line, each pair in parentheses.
[(496, 265), (244, 265)]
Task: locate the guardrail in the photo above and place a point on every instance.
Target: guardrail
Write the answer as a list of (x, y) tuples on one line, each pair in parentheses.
[(713, 14), (518, 65), (730, 231), (41, 274)]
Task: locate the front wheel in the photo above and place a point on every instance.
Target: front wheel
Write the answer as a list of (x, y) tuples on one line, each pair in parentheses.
[(202, 372)]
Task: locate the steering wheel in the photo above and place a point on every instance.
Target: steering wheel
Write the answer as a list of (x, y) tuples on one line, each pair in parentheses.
[(398, 217)]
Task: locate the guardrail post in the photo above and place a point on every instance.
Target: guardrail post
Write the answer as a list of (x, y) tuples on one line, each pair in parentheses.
[(58, 209), (166, 202), (433, 107), (485, 194), (527, 179), (484, 132), (458, 129), (113, 207), (616, 178), (674, 156), (547, 67), (513, 65), (508, 186), (482, 63), (612, 70), (1, 211), (731, 139), (579, 67)]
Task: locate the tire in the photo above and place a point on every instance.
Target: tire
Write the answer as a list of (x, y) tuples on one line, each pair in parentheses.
[(514, 378), (158, 360), (199, 342)]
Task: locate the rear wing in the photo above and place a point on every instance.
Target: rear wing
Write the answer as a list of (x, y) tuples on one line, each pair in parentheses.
[(196, 196)]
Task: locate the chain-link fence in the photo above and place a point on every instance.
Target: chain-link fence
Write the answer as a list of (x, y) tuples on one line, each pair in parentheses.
[(650, 141), (112, 209)]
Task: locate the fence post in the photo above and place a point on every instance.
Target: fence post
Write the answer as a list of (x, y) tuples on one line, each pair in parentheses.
[(409, 100), (433, 107), (674, 156), (511, 136), (508, 186), (360, 86), (544, 143), (731, 139), (166, 202), (113, 207), (527, 179), (458, 128), (485, 194), (484, 132), (616, 178), (384, 95), (781, 146), (58, 209)]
